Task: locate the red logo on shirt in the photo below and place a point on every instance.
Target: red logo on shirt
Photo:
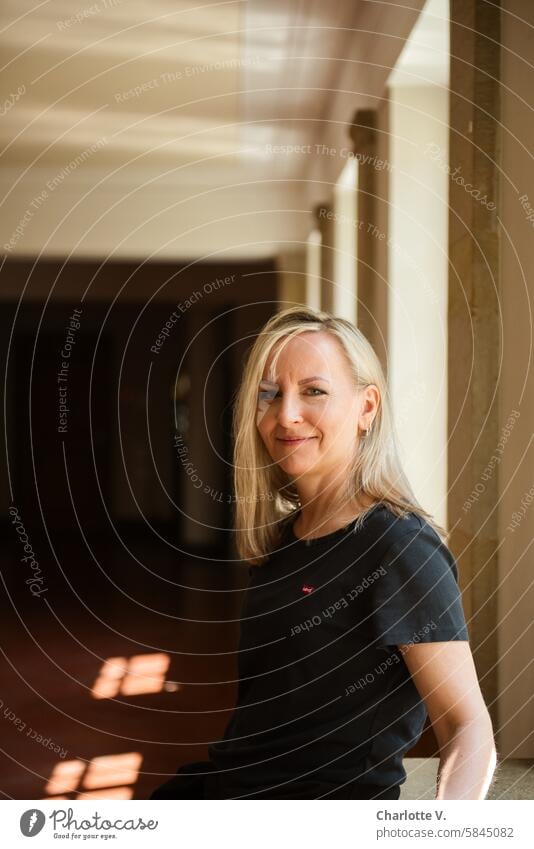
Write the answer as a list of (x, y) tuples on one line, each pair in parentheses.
[(307, 589)]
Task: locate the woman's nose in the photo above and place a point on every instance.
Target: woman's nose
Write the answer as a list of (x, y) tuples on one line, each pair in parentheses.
[(289, 409)]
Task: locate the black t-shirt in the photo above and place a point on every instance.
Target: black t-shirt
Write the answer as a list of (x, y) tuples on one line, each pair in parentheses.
[(325, 698)]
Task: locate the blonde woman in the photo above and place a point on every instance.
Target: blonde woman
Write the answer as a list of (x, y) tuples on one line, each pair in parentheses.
[(352, 628)]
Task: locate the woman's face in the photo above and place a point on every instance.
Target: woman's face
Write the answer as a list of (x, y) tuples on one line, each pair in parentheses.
[(310, 419)]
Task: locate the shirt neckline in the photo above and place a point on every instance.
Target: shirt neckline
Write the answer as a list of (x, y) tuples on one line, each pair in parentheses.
[(326, 538)]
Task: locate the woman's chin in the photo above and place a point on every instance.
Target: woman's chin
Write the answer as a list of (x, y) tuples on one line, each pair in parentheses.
[(294, 465)]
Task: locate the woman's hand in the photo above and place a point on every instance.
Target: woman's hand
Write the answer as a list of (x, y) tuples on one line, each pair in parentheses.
[(445, 676)]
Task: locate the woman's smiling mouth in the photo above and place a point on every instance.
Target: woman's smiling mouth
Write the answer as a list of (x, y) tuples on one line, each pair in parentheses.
[(295, 440)]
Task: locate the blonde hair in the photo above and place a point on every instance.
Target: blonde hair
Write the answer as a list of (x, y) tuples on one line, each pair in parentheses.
[(264, 493)]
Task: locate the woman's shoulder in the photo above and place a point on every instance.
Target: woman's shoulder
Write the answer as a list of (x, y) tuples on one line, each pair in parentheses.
[(379, 518), (382, 519), (411, 542), (409, 530), (380, 522), (417, 597)]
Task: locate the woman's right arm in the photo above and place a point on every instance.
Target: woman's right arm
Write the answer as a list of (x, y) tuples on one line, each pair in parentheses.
[(445, 676)]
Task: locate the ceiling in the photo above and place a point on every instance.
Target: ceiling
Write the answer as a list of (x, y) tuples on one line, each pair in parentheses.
[(167, 84), (156, 122)]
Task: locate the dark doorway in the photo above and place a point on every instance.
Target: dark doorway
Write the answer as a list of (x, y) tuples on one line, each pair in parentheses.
[(62, 417)]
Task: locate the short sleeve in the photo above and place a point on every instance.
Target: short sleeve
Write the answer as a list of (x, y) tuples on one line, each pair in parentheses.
[(417, 597)]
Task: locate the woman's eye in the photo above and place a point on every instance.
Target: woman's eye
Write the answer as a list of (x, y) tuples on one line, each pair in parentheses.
[(267, 394), (270, 394)]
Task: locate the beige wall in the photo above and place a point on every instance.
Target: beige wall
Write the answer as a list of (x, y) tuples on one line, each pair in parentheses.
[(418, 272)]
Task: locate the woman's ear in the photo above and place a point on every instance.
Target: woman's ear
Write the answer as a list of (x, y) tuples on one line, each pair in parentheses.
[(370, 402)]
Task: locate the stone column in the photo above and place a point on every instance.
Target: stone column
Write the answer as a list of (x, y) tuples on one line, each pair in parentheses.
[(291, 268), (363, 134), (516, 383), (324, 215), (474, 323)]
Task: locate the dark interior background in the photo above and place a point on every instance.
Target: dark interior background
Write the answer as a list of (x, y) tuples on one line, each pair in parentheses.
[(131, 552)]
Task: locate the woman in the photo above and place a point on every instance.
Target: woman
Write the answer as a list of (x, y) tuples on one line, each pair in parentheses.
[(352, 628)]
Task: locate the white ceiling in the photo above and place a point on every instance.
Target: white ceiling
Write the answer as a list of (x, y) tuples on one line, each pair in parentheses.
[(167, 82), (178, 98)]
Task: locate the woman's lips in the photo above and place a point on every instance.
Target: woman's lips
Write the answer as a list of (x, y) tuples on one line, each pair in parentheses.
[(296, 441)]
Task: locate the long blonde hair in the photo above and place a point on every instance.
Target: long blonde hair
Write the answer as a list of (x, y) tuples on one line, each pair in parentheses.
[(264, 493)]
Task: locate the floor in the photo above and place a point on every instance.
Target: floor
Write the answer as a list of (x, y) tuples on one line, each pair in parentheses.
[(514, 779), (76, 721)]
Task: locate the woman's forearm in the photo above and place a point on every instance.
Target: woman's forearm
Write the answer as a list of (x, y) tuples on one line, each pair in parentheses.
[(467, 762)]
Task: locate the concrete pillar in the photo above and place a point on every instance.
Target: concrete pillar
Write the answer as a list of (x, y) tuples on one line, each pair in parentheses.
[(313, 270), (516, 383), (324, 216), (345, 242), (363, 134), (382, 179), (474, 323), (291, 268)]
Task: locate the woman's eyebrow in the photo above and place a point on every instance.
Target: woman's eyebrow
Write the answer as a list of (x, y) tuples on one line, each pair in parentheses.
[(309, 379), (304, 380)]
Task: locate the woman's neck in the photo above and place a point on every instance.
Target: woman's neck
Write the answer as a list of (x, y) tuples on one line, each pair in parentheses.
[(315, 521)]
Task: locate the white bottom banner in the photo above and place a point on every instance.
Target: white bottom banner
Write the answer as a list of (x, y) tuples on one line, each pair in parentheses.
[(257, 824)]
